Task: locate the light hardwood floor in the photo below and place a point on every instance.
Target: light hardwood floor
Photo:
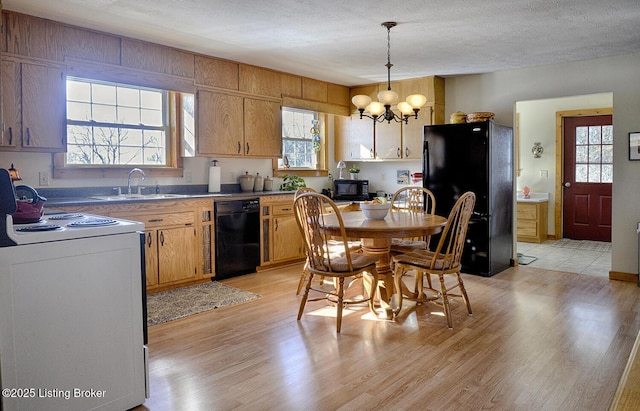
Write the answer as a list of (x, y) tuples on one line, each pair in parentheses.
[(538, 340)]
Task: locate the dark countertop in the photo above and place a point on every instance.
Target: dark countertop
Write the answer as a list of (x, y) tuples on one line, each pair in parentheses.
[(84, 195)]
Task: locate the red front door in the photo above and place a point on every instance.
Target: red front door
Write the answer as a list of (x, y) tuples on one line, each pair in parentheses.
[(587, 177)]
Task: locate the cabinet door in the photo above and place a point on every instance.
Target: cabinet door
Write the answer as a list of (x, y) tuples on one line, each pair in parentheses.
[(151, 256), (220, 124), (388, 140), (413, 134), (44, 112), (287, 240), (177, 254), (10, 107), (262, 128)]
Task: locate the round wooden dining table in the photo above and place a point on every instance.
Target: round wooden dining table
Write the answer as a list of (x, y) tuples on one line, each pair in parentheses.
[(376, 237)]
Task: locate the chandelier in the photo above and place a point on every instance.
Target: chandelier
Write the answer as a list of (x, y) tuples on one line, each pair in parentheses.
[(380, 110)]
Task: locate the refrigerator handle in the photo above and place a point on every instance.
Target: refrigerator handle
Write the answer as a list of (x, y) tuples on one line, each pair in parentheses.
[(425, 164)]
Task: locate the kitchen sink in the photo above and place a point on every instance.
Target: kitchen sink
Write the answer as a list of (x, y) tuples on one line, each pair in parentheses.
[(138, 197)]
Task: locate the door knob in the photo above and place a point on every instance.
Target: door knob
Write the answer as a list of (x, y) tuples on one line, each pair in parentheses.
[(567, 184)]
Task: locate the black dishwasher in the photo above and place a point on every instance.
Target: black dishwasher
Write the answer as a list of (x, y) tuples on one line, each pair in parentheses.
[(237, 227)]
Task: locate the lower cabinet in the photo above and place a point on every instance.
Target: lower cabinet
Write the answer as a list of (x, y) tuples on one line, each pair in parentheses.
[(281, 238), (532, 221), (177, 238)]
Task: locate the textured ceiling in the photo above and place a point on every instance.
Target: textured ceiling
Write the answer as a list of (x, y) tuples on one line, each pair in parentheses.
[(342, 41)]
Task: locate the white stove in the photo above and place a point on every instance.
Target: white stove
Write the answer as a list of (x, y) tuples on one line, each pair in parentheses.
[(68, 226), (72, 313)]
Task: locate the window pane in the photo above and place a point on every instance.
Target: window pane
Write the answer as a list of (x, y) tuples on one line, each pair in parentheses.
[(607, 173), (581, 173), (128, 115), (78, 91), (581, 154), (103, 94), (298, 139), (104, 114), (128, 97), (594, 154), (581, 135), (78, 111), (607, 153), (607, 135), (594, 173), (594, 134), (151, 117)]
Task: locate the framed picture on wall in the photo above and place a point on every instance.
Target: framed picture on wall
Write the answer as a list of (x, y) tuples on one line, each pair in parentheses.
[(634, 146)]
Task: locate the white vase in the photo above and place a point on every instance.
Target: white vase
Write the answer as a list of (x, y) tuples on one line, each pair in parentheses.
[(354, 176)]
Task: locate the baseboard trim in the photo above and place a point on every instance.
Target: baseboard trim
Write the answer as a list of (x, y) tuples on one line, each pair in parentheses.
[(620, 276)]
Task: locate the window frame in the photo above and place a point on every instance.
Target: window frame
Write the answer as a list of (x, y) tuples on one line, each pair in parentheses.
[(175, 86), (322, 169)]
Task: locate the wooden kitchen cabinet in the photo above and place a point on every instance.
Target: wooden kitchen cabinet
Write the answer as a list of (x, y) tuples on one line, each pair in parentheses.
[(34, 113), (178, 233), (281, 238), (232, 125), (354, 138), (33, 117), (532, 221)]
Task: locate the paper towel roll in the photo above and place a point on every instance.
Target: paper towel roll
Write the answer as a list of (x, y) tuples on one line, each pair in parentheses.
[(214, 179)]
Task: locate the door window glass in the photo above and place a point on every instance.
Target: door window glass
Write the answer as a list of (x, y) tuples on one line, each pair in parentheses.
[(594, 154)]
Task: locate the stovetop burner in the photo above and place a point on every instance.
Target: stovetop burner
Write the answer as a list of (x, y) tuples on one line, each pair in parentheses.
[(92, 222), (65, 216), (33, 228)]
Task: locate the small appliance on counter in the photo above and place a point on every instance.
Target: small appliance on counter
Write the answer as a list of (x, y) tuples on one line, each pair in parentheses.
[(354, 190)]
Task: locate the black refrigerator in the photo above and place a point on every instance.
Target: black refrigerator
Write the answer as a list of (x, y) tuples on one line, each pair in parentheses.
[(475, 157)]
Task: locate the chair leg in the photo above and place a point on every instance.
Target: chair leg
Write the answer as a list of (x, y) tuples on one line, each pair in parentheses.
[(370, 283), (303, 301), (445, 301), (400, 271), (463, 291), (340, 303)]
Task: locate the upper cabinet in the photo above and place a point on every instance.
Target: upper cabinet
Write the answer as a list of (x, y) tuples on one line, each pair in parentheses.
[(34, 109), (391, 141), (232, 125)]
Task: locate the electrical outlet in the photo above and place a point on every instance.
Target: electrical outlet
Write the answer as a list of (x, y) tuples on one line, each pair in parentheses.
[(544, 173), (44, 178)]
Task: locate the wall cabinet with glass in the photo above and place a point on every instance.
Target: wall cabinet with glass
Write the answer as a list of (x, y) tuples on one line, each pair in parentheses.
[(33, 109), (233, 125)]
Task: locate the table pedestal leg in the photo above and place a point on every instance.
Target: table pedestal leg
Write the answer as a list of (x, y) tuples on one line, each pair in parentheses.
[(380, 248)]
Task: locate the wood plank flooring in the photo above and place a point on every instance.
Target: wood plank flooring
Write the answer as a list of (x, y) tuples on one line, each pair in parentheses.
[(538, 340)]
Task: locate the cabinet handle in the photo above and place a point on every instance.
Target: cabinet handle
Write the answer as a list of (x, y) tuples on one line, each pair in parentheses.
[(10, 136), (162, 238), (286, 209), (406, 152), (149, 240), (239, 147), (371, 153), (399, 152), (276, 223), (247, 148), (156, 220), (28, 136)]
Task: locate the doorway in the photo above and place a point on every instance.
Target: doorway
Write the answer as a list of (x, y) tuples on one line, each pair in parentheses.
[(587, 177)]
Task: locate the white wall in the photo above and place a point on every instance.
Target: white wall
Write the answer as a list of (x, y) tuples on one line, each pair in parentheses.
[(498, 92), (538, 124)]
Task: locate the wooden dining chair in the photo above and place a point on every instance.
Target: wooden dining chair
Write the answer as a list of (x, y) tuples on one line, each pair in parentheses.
[(310, 210), (445, 261), (335, 247), (412, 199)]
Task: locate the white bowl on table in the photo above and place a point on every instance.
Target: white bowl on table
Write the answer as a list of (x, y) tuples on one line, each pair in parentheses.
[(375, 211)]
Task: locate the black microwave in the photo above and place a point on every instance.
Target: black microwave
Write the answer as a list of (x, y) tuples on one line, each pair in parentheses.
[(357, 190)]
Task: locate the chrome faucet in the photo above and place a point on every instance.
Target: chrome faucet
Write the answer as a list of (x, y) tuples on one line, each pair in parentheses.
[(129, 178)]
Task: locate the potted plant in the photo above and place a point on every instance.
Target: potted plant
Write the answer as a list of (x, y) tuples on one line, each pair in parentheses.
[(291, 182), (354, 170)]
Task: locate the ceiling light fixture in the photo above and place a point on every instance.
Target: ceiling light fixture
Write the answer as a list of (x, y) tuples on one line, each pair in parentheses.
[(380, 110)]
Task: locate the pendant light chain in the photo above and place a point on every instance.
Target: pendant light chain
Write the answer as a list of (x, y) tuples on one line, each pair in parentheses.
[(389, 65)]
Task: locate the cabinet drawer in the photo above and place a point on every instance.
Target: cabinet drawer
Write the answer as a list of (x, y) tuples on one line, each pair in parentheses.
[(527, 212), (165, 220), (528, 228), (282, 209)]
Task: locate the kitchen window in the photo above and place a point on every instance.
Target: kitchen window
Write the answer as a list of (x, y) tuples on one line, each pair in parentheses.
[(115, 124), (303, 142), (113, 127)]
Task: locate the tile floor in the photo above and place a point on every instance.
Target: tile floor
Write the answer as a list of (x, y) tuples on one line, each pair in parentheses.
[(596, 263)]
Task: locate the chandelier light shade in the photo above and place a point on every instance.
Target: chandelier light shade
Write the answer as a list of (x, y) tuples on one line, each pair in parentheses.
[(380, 110)]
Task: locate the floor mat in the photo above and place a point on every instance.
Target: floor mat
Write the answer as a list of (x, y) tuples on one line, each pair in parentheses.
[(525, 259), (582, 245)]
